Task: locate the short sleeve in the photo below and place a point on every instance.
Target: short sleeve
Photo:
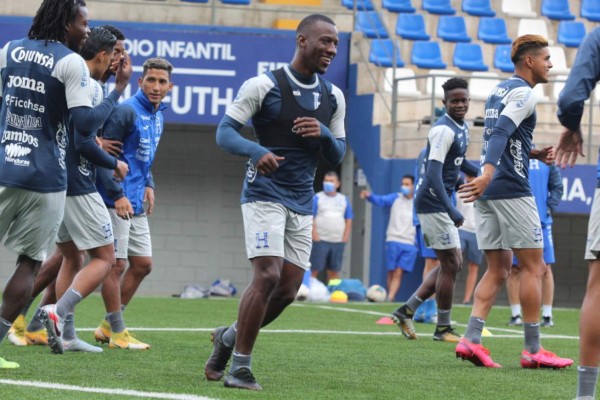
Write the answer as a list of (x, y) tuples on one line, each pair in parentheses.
[(440, 139), (520, 104), (75, 76), (3, 53), (249, 98), (337, 121)]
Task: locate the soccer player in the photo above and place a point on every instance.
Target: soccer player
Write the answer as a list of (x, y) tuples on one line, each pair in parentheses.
[(446, 148), (583, 78), (547, 189), (296, 115), (137, 123), (332, 224), (506, 215), (44, 82), (400, 249)]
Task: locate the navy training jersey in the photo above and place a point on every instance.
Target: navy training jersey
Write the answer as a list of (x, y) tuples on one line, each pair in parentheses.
[(39, 83), (447, 143), (419, 172), (260, 99), (515, 99)]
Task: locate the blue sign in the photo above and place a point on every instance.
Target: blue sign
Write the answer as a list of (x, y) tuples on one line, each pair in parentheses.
[(579, 185), (210, 63)]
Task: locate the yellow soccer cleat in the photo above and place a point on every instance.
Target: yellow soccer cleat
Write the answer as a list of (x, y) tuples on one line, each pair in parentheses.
[(7, 364), (103, 332), (16, 334), (123, 340), (37, 338)]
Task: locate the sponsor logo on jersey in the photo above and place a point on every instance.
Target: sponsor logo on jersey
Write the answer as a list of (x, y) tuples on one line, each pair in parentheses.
[(62, 140), (14, 150), (19, 136), (516, 152), (491, 113), (14, 101), (26, 83), (84, 166), (26, 122), (499, 91), (251, 171), (458, 161), (20, 54)]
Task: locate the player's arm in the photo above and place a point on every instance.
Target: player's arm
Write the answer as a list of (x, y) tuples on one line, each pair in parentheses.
[(469, 168), (348, 216), (555, 188), (315, 207), (383, 200), (3, 54)]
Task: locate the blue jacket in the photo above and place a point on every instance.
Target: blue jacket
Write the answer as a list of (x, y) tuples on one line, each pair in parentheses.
[(139, 127), (546, 185)]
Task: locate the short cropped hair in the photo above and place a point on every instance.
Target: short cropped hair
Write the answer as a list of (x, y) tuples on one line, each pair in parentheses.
[(98, 40), (524, 44), (455, 83), (157, 63), (408, 176), (334, 174), (115, 31), (309, 21)]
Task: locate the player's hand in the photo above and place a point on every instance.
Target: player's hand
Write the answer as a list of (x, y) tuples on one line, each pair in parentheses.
[(570, 146), (124, 208), (149, 197), (121, 170), (268, 163), (364, 194), (547, 155), (112, 147), (456, 217), (471, 191), (307, 127), (123, 73)]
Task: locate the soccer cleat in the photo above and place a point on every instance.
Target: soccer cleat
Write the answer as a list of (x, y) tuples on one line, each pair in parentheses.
[(446, 334), (54, 326), (476, 353), (241, 378), (7, 364), (515, 320), (79, 345), (405, 323), (214, 369), (123, 340), (103, 332), (37, 338), (16, 333), (547, 322), (543, 359)]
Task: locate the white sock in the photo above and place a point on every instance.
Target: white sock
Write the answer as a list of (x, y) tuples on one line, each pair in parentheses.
[(515, 309), (547, 310)]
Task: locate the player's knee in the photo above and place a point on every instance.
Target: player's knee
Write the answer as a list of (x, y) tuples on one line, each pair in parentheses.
[(143, 269)]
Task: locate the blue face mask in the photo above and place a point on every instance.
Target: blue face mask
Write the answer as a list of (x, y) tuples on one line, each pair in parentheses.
[(328, 187), (405, 190)]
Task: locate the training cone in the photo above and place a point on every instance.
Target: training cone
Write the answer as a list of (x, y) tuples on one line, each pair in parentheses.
[(486, 332), (385, 321), (338, 297)]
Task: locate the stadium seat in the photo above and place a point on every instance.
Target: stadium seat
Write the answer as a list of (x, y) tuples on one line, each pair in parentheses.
[(469, 57), (493, 30), (452, 29), (436, 81), (369, 23), (478, 8), (427, 55), (571, 33), (365, 5), (557, 9), (481, 84), (382, 53), (406, 87), (559, 61), (286, 24), (411, 27), (502, 58), (518, 8), (558, 85), (443, 7), (398, 6), (240, 2), (535, 26), (590, 10)]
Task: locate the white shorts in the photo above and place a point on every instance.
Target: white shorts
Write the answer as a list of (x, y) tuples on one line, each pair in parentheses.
[(30, 220), (439, 232), (272, 229), (86, 222), (592, 247), (132, 236), (508, 224)]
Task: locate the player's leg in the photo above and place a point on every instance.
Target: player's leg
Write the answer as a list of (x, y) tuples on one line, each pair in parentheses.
[(548, 278), (474, 259), (450, 265), (392, 265), (512, 289), (335, 259), (471, 281), (140, 257), (318, 255), (394, 284)]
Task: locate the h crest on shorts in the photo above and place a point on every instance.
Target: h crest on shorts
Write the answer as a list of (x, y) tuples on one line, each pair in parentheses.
[(262, 238), (537, 235)]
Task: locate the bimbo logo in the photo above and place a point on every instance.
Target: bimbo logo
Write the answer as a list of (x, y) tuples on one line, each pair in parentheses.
[(26, 83), (19, 54)]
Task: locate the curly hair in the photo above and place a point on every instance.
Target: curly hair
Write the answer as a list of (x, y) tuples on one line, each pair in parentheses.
[(52, 17)]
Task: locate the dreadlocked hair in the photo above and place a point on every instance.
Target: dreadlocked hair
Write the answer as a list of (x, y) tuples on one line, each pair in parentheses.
[(51, 19)]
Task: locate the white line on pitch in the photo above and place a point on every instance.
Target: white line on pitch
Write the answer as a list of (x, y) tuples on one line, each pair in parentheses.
[(118, 392)]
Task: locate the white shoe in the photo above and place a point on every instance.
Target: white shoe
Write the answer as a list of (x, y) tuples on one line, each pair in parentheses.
[(79, 345), (54, 326)]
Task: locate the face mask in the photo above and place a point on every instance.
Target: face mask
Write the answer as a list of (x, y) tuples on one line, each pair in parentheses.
[(405, 190), (328, 187)]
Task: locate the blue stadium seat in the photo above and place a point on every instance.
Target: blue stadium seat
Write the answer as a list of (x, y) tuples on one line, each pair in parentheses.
[(590, 10), (443, 7), (493, 30), (502, 58), (452, 29), (571, 33), (365, 5), (398, 6), (241, 2), (478, 8), (411, 27), (557, 9), (469, 57), (369, 23), (382, 53), (427, 55)]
